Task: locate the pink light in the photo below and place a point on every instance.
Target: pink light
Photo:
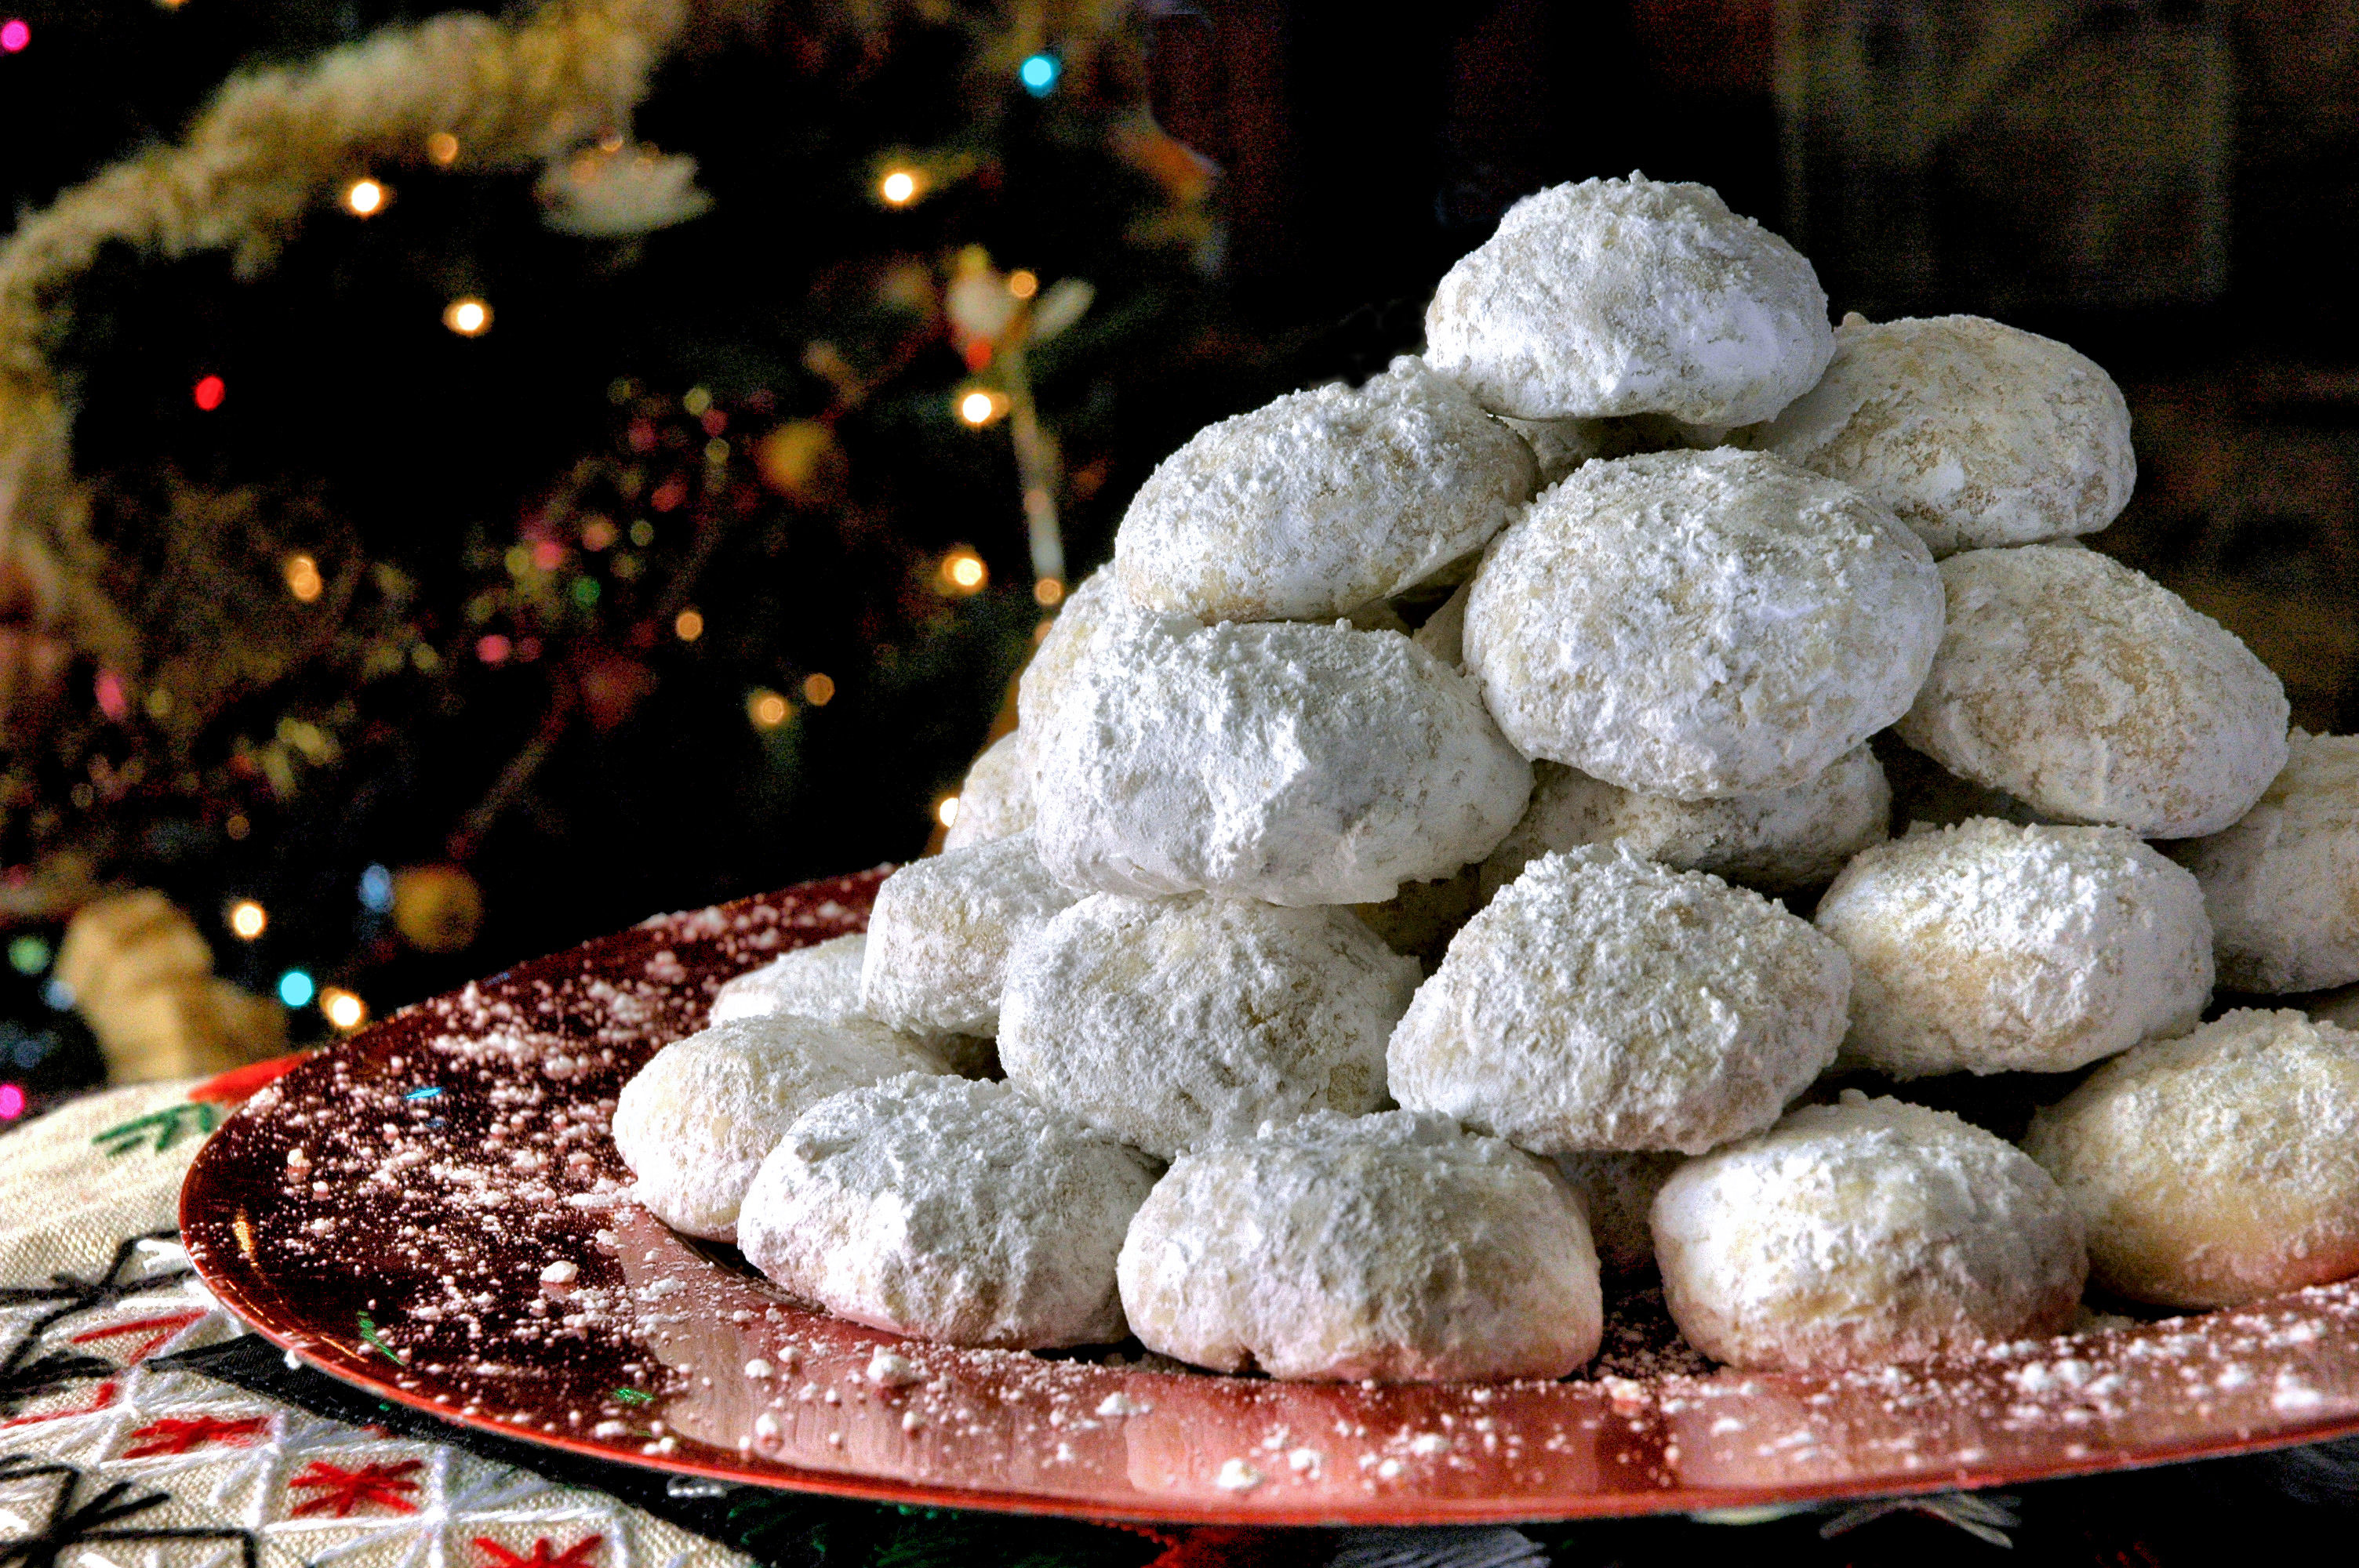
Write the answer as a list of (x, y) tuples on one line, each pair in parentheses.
[(548, 555), (11, 1095), (13, 36), (209, 392), (113, 700), (493, 649)]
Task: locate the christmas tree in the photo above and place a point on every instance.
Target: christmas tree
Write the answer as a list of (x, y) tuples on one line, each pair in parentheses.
[(493, 478)]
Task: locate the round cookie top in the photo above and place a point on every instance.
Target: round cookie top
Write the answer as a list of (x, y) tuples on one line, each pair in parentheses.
[(1397, 1247), (1630, 296), (1701, 624), (1975, 433), (2282, 884), (1098, 608), (940, 930), (1170, 1022), (1864, 1232), (951, 1209), (995, 799), (1311, 507), (821, 981), (1776, 841), (2218, 1167), (1603, 1001), (1294, 763), (2094, 693), (694, 1123), (1989, 948)]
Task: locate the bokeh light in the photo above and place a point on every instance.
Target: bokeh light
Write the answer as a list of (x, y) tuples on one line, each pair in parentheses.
[(344, 1010), (442, 148), (1023, 284), (687, 625), (209, 392), (962, 572), (898, 187), (1038, 74), (979, 405), (946, 811), (303, 578), (470, 318), (247, 919), (819, 690), (768, 709), (15, 34), (1048, 592), (12, 1101), (295, 988), (28, 955), (364, 198), (376, 889)]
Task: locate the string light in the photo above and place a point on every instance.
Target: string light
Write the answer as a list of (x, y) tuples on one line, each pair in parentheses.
[(237, 826), (442, 148), (15, 34), (12, 1101), (962, 572), (376, 889), (980, 405), (899, 187), (28, 955), (687, 625), (295, 988), (946, 811), (470, 318), (344, 1009), (494, 649), (819, 690), (303, 578), (767, 709), (1038, 74), (209, 392), (364, 198), (1048, 593), (1023, 282), (247, 919)]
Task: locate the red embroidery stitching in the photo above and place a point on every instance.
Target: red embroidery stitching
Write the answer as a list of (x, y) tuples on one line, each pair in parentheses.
[(177, 1434), (345, 1490), (544, 1554)]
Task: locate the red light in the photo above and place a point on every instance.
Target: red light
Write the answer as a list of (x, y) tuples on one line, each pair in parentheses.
[(13, 36), (209, 392), (493, 649), (12, 1102)]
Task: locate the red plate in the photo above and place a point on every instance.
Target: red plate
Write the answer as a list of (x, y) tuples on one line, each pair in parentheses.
[(430, 1210)]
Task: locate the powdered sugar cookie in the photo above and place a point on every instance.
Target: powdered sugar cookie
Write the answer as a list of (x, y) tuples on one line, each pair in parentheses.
[(1098, 607), (949, 1209), (996, 798), (1602, 1001), (1293, 763), (2216, 1168), (1976, 434), (1321, 502), (2282, 884), (1862, 1233), (1617, 1192), (694, 1123), (1170, 1022), (1695, 624), (1630, 296), (939, 935), (1397, 1247), (1989, 948), (821, 981), (1777, 842), (1560, 446), (2094, 693)]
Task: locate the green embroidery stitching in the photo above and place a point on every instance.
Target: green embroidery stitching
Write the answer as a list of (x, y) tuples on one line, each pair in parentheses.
[(169, 1125)]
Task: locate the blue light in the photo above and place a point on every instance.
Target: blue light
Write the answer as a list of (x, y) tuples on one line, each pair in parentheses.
[(376, 889), (59, 995), (1038, 74), (295, 988)]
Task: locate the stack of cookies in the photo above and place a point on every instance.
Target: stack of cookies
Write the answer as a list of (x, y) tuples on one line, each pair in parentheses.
[(1388, 921)]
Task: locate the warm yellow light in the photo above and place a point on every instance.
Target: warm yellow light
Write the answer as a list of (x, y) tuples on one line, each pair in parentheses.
[(303, 578), (247, 919), (687, 625), (443, 149), (1048, 593), (962, 572), (468, 318), (364, 197), (946, 811), (237, 826), (767, 709), (898, 187), (819, 690), (344, 1009), (967, 572), (980, 405), (1023, 284)]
